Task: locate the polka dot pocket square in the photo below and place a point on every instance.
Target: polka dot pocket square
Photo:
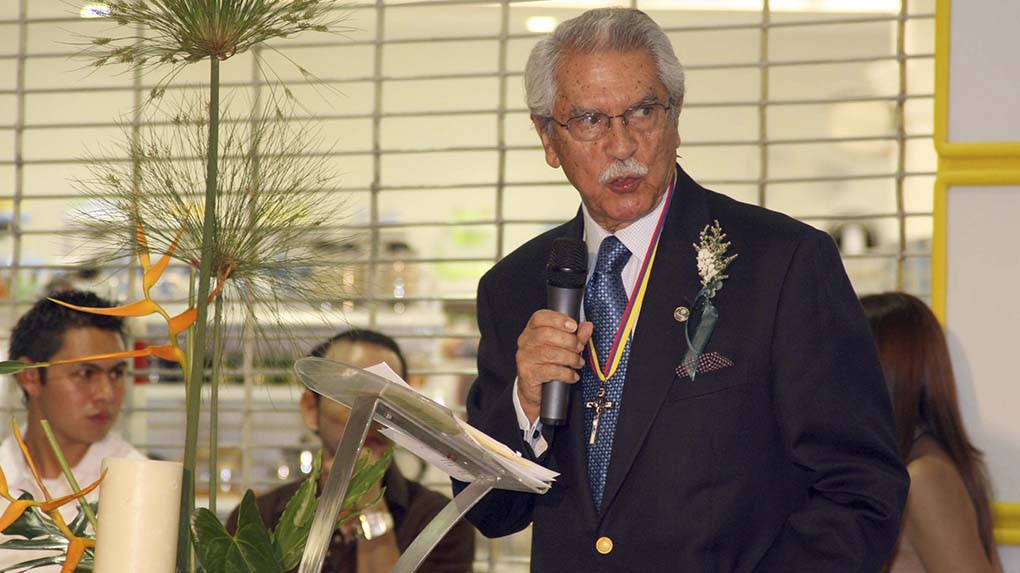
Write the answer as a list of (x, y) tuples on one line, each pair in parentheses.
[(707, 362)]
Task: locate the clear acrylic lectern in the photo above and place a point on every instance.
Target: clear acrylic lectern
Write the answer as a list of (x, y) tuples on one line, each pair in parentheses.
[(414, 420)]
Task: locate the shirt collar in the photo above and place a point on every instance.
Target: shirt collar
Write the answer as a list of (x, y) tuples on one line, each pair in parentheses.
[(636, 236)]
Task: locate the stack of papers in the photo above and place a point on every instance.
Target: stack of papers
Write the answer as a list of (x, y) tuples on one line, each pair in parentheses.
[(531, 473), (528, 472)]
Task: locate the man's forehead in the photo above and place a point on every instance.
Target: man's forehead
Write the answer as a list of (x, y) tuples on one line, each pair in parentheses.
[(86, 340), (594, 80), (360, 353), (650, 98)]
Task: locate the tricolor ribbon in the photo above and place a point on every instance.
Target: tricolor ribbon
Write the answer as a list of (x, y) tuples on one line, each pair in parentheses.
[(633, 310)]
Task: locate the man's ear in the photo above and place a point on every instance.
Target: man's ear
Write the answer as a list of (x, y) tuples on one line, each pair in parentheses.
[(551, 157), (309, 406), (29, 379)]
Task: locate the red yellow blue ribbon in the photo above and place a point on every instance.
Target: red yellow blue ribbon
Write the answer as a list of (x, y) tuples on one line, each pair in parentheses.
[(633, 310)]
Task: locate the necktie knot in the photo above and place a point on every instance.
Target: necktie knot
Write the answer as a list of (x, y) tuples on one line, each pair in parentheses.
[(613, 256), (605, 298)]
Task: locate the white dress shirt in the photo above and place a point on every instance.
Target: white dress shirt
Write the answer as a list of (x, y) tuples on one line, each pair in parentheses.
[(88, 470), (636, 237)]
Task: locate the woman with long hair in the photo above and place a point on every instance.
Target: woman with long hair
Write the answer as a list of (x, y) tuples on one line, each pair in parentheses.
[(947, 525)]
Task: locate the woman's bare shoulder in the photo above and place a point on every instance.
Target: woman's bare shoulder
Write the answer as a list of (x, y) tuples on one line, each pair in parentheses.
[(940, 519), (936, 485)]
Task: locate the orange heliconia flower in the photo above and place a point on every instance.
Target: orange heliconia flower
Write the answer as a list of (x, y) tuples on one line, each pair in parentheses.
[(76, 545), (175, 324)]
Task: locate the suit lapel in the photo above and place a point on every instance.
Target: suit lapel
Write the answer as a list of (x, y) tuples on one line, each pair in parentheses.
[(658, 344)]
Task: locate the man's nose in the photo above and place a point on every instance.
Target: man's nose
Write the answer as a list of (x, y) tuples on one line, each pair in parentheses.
[(104, 388), (620, 140)]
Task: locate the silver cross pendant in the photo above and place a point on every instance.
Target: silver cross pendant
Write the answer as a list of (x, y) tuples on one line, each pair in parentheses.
[(599, 404)]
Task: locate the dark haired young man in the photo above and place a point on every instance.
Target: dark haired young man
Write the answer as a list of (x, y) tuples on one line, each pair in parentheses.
[(407, 506), (80, 401)]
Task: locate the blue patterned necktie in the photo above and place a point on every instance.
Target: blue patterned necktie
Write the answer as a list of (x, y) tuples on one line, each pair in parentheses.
[(605, 300)]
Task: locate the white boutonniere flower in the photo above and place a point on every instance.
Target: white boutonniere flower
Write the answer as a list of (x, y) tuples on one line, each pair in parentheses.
[(712, 264), (712, 259)]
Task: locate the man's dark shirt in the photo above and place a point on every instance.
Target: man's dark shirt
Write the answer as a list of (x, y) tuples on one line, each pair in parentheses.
[(412, 505)]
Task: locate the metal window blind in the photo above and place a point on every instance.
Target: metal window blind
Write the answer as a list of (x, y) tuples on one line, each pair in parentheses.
[(824, 115)]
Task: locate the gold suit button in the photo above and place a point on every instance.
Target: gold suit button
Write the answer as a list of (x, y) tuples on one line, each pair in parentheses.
[(604, 545)]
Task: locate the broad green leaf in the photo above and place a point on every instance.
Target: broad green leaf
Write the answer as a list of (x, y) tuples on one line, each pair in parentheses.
[(14, 366), (366, 475), (39, 543), (249, 551), (291, 532), (81, 521)]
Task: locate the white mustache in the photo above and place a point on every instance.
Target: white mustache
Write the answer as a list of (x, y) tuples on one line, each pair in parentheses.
[(628, 168)]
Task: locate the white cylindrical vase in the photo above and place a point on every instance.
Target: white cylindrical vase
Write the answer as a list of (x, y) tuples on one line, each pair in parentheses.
[(139, 508)]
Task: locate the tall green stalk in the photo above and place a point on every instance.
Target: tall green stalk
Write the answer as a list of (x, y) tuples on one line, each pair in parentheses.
[(195, 378), (214, 404)]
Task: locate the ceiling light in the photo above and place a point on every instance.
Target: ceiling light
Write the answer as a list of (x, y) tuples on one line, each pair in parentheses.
[(541, 24)]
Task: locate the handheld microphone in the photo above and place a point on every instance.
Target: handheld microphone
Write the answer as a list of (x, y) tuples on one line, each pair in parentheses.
[(565, 274)]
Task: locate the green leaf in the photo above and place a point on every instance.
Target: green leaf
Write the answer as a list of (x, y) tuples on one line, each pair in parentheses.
[(32, 564), (81, 521), (40, 543), (39, 533), (249, 551), (366, 475), (291, 532), (14, 366)]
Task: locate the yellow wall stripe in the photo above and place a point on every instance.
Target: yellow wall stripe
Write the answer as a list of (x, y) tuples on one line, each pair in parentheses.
[(964, 164), (1007, 523)]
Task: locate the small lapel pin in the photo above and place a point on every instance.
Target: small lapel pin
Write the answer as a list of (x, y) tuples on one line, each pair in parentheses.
[(681, 313)]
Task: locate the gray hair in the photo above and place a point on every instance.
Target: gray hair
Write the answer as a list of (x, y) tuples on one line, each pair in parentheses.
[(604, 29)]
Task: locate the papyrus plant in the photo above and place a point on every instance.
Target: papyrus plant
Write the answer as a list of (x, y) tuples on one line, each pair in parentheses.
[(165, 36)]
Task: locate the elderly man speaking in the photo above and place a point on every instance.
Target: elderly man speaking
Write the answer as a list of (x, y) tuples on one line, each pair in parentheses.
[(726, 410)]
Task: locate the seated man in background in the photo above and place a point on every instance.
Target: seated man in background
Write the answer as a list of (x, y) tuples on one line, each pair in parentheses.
[(81, 401), (407, 506)]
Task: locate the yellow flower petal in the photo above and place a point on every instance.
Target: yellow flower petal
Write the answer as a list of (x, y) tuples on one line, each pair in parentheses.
[(183, 321), (125, 354), (153, 274), (28, 458), (168, 352), (53, 504), (140, 308), (13, 512), (75, 551), (4, 490)]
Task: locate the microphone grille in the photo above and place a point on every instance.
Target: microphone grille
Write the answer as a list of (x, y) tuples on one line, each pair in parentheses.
[(568, 263)]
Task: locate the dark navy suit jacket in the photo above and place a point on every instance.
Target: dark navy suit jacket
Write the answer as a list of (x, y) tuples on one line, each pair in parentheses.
[(784, 461)]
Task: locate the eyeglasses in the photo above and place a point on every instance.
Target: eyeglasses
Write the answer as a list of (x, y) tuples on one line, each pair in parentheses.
[(641, 118)]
